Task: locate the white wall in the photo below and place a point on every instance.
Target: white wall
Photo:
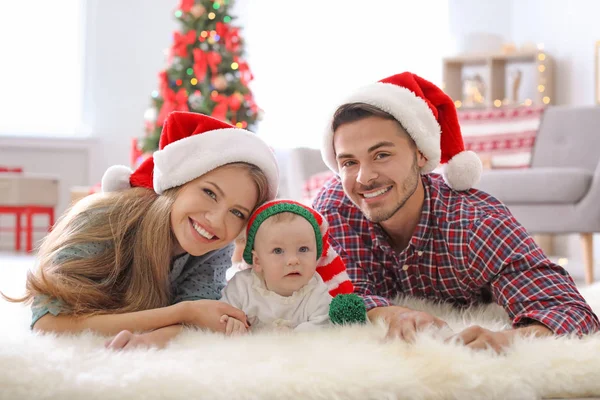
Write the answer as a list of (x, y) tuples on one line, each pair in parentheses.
[(568, 30), (305, 64), (125, 43), (476, 16)]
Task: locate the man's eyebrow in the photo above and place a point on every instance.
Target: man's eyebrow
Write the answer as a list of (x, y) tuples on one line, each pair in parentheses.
[(369, 150), (380, 145), (344, 155)]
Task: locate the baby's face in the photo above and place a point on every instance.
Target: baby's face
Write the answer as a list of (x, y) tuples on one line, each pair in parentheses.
[(285, 254)]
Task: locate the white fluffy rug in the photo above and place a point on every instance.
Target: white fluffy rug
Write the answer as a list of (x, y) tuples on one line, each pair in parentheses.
[(341, 363)]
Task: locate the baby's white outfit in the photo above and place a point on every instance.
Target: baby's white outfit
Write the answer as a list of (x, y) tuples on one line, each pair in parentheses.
[(305, 309)]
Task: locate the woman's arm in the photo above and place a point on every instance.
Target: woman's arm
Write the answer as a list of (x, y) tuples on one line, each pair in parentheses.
[(204, 314), (111, 324), (209, 314)]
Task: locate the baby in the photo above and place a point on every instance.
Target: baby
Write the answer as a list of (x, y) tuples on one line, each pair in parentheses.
[(294, 272)]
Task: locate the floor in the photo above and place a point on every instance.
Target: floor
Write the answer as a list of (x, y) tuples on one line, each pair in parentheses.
[(13, 270), (14, 266)]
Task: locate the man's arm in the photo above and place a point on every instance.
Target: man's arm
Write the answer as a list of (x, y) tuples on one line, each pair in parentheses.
[(403, 322), (348, 245), (530, 287)]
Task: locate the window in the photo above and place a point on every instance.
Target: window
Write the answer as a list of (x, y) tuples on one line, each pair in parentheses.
[(42, 67), (305, 56)]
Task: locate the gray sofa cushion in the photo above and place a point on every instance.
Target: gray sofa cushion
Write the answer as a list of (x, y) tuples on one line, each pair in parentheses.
[(537, 185)]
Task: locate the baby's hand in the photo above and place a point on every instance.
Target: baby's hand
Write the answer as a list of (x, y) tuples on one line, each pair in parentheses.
[(234, 326)]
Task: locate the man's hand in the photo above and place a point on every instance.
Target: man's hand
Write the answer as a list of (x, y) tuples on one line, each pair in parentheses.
[(234, 327), (479, 338), (404, 323)]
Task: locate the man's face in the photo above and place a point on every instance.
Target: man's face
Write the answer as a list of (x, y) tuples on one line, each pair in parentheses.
[(379, 165)]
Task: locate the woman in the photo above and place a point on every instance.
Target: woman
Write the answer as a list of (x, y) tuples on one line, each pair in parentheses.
[(138, 259)]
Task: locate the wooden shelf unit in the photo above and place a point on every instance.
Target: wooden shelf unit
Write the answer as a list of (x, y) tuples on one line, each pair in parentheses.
[(495, 76)]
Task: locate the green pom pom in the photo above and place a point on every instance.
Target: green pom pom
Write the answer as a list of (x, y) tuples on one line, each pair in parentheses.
[(346, 309)]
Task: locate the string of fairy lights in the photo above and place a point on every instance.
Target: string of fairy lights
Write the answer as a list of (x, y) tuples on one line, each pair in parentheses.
[(541, 60)]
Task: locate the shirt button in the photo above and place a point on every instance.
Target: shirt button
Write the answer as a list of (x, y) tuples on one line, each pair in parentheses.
[(405, 267), (420, 253)]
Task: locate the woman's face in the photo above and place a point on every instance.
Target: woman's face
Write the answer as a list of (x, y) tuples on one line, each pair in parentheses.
[(210, 211)]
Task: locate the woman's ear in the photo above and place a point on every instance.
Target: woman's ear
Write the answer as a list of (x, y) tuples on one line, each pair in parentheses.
[(256, 262)]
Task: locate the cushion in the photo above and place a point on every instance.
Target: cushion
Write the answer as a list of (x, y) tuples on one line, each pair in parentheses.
[(537, 185), (313, 186), (502, 137)]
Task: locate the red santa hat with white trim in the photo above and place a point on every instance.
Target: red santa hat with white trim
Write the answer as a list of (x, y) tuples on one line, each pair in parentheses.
[(429, 116), (329, 265), (191, 145)]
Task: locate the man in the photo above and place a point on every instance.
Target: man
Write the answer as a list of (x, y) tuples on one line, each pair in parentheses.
[(404, 231)]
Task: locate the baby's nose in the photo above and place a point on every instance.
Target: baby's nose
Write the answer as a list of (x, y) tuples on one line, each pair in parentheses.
[(293, 261)]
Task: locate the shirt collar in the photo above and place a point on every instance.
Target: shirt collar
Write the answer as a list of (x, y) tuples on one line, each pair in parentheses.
[(423, 230)]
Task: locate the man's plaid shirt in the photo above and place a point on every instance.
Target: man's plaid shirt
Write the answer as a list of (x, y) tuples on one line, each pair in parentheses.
[(467, 248)]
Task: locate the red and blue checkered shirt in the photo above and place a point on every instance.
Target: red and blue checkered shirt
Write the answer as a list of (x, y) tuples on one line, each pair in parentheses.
[(466, 249)]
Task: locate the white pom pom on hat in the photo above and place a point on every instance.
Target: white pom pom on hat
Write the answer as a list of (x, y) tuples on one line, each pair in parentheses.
[(116, 178)]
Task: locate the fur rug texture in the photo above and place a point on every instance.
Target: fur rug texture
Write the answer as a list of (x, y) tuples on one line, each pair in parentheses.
[(337, 363)]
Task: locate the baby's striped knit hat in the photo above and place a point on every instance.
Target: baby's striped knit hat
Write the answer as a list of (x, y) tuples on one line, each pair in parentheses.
[(330, 266)]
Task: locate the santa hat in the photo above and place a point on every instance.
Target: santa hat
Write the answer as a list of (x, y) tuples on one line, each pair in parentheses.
[(428, 115), (330, 266), (191, 145)]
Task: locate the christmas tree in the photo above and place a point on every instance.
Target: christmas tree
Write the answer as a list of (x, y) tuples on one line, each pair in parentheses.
[(205, 72)]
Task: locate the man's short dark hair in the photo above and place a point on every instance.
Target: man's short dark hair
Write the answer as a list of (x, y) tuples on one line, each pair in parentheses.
[(353, 112)]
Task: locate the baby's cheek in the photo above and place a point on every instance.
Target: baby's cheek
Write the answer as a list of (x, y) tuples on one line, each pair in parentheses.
[(308, 256)]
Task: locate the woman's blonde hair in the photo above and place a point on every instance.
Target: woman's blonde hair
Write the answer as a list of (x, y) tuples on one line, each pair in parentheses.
[(133, 227)]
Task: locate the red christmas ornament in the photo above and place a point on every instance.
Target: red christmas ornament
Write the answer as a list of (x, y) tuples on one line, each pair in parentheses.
[(181, 42)]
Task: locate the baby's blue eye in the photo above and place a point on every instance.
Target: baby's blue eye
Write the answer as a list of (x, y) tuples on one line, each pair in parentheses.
[(278, 250), (304, 249)]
